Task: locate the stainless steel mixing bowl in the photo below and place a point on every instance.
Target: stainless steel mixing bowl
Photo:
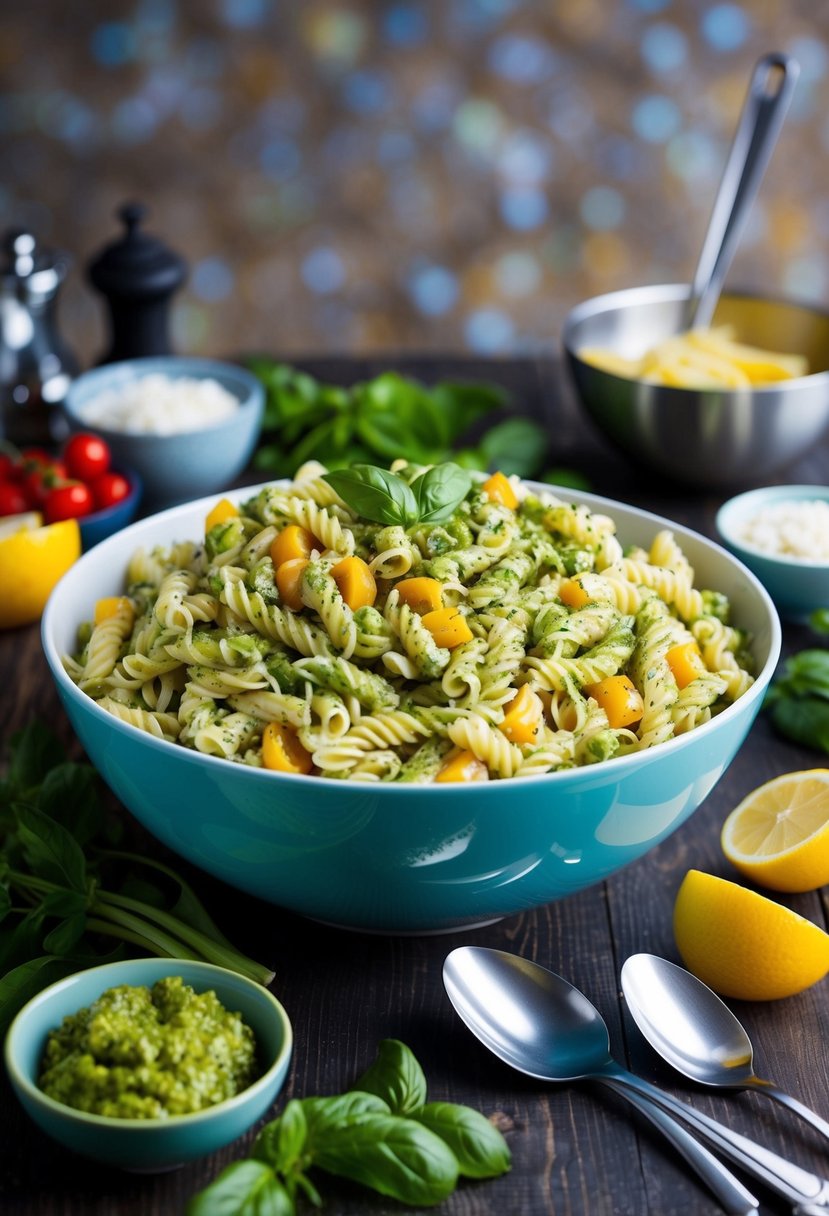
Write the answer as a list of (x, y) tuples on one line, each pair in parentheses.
[(702, 437)]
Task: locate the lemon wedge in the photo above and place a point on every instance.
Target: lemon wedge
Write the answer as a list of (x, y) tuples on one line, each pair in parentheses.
[(778, 836), (744, 945), (32, 559)]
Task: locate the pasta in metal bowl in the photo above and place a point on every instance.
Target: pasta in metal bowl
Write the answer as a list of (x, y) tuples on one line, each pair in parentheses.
[(516, 636)]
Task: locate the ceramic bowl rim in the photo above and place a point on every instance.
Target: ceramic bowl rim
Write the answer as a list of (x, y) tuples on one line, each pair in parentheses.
[(594, 306), (478, 790), (199, 367), (734, 508), (47, 1103)]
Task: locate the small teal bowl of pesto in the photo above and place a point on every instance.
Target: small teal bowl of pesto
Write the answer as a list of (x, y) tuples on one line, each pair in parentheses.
[(148, 1063)]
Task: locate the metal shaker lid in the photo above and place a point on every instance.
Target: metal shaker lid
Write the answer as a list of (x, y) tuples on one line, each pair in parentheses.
[(28, 270), (138, 266)]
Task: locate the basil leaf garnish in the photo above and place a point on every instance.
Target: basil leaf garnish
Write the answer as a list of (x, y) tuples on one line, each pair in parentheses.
[(385, 498), (376, 494), (439, 490)]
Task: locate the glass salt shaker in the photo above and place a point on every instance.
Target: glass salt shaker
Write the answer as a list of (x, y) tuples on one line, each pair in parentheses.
[(36, 366)]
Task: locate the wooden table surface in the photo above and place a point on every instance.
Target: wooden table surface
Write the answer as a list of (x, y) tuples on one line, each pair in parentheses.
[(577, 1150)]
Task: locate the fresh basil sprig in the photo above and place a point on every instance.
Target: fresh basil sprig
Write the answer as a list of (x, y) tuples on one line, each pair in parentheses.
[(798, 699), (382, 1134), (385, 498), (65, 890)]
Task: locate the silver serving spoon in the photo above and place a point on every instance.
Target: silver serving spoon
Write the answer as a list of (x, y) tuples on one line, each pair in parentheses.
[(769, 94), (535, 1021), (691, 1028)]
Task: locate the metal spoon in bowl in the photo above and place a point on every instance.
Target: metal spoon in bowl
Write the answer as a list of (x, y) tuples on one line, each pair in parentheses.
[(769, 93), (691, 1028), (536, 1022)]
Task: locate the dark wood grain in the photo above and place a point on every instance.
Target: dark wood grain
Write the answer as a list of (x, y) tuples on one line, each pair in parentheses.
[(577, 1151)]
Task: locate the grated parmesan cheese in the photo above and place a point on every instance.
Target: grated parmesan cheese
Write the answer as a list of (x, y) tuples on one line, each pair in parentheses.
[(160, 405), (792, 528)]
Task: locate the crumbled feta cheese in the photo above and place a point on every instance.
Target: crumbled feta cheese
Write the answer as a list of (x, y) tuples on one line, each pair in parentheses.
[(160, 405), (791, 528)]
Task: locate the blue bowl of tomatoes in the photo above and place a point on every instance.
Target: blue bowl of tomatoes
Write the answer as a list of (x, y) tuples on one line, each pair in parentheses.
[(78, 483)]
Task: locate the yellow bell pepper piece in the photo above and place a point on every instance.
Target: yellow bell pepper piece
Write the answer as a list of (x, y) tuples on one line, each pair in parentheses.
[(223, 510), (463, 766), (499, 489), (620, 699), (524, 715), (448, 627), (282, 751), (685, 662), (421, 594)]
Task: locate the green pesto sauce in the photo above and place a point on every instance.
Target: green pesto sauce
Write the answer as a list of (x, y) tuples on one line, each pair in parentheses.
[(149, 1053)]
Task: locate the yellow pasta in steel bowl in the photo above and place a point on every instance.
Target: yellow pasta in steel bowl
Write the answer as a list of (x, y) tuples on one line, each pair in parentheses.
[(407, 700)]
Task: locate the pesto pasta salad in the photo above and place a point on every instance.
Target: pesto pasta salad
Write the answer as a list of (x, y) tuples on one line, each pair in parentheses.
[(411, 625)]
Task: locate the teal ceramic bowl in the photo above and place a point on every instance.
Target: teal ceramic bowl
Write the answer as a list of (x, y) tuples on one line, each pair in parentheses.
[(180, 466), (406, 858), (148, 1144), (798, 585)]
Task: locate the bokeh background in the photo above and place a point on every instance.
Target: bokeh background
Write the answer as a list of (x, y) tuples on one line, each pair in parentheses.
[(414, 175)]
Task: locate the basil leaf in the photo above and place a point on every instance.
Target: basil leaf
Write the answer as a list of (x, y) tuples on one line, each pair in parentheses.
[(323, 1116), (517, 445), (804, 720), (375, 493), (20, 984), (65, 936), (69, 795), (461, 404), (394, 1156), (32, 752), (280, 1142), (439, 490), (396, 1077), (51, 851), (245, 1188), (480, 1149)]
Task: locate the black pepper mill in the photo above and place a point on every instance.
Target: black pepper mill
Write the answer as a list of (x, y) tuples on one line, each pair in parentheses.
[(137, 275)]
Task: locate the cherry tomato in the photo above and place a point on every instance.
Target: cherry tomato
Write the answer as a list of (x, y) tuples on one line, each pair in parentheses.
[(12, 499), (10, 467), (86, 456), (108, 489), (41, 479), (69, 500), (30, 457)]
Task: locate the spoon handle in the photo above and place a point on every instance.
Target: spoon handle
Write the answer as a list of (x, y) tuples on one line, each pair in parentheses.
[(732, 1195), (794, 1104), (769, 94), (796, 1185)]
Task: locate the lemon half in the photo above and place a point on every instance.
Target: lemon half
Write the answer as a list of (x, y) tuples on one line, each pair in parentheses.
[(779, 834), (744, 945), (32, 559)]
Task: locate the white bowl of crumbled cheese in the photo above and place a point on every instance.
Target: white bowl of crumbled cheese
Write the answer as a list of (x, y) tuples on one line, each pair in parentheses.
[(782, 534), (188, 426)]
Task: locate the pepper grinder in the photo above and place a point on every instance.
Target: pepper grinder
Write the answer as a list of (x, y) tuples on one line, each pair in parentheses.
[(137, 275), (36, 366)]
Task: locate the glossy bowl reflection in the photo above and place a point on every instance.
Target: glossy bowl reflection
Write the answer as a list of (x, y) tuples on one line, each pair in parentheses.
[(148, 1145), (701, 437), (406, 858)]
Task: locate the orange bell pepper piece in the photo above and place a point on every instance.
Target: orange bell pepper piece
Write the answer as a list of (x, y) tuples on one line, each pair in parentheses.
[(355, 582), (292, 542), (289, 582), (685, 662), (524, 715)]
